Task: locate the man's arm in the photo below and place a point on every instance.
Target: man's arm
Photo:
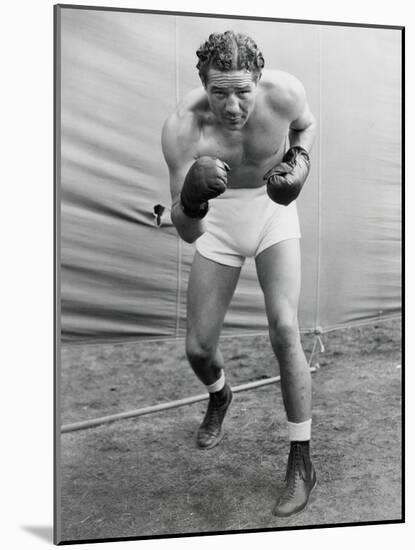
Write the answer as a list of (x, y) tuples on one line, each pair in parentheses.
[(194, 180), (179, 157), (287, 96), (286, 179), (303, 129)]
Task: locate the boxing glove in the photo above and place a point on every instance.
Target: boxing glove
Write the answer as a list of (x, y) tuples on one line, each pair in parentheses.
[(285, 180), (205, 180)]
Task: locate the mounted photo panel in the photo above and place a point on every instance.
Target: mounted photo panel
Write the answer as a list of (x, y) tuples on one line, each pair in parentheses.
[(137, 301)]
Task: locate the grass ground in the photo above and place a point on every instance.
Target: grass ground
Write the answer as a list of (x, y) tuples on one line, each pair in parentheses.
[(145, 476)]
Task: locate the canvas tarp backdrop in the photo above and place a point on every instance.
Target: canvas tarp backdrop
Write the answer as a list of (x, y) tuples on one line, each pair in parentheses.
[(120, 75)]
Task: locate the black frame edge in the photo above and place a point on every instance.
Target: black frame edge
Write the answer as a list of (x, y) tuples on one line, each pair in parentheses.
[(230, 16)]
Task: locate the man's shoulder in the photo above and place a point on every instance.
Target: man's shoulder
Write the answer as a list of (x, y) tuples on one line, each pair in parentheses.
[(189, 111), (283, 92), (182, 128)]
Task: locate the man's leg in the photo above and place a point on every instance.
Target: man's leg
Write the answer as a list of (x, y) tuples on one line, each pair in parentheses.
[(211, 287), (279, 273)]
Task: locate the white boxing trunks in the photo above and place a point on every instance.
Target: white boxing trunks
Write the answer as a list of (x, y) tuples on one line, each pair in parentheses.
[(242, 223)]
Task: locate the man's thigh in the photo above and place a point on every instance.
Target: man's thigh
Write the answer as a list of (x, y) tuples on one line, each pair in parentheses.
[(279, 274), (210, 290)]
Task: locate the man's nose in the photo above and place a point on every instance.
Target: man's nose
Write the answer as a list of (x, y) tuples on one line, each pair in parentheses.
[(232, 105)]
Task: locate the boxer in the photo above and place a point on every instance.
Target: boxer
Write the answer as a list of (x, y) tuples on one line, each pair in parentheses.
[(237, 150)]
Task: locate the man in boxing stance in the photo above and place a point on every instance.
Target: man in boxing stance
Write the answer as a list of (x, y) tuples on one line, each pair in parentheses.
[(237, 152)]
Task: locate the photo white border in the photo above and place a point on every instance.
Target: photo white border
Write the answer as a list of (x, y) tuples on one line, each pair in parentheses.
[(27, 276)]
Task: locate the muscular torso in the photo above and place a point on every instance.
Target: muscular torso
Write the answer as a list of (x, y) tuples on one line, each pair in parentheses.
[(276, 118)]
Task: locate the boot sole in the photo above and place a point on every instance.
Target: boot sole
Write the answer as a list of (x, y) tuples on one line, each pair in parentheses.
[(301, 509), (214, 444)]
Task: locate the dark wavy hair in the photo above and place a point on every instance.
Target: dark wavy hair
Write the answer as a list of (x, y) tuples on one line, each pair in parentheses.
[(229, 51)]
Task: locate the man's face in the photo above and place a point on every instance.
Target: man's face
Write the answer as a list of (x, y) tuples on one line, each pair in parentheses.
[(231, 96)]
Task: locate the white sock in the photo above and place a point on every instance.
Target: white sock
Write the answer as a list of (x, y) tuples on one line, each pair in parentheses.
[(300, 431), (218, 385)]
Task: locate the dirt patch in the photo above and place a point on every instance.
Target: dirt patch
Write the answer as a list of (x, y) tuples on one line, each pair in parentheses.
[(145, 476)]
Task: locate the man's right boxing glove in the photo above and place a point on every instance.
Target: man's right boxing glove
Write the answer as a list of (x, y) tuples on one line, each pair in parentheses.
[(205, 180)]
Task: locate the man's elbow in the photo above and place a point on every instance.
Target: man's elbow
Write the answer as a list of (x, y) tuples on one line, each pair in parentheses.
[(184, 233), (188, 239)]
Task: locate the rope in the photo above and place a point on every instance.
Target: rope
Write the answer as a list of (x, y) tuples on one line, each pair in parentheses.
[(319, 184), (364, 322), (179, 240), (312, 351), (317, 340), (172, 338), (163, 406)]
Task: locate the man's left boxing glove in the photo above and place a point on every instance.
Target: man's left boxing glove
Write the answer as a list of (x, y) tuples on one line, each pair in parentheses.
[(285, 180), (205, 180)]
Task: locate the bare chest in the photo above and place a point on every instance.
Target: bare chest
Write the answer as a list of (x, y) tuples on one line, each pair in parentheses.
[(243, 148), (249, 153)]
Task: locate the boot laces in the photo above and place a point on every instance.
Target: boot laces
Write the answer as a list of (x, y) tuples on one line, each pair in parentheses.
[(214, 413), (293, 474)]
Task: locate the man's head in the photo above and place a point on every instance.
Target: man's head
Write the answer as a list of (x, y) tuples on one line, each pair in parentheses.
[(230, 67), (229, 51)]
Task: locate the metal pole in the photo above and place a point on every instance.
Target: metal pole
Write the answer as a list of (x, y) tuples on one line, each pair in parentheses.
[(163, 406)]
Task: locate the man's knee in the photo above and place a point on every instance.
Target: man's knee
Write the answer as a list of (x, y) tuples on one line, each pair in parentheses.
[(198, 349), (284, 333)]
